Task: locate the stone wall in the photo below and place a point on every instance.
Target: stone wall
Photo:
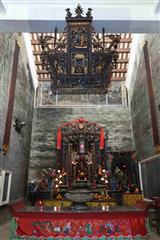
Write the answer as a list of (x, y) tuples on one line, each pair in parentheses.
[(139, 102), (115, 119), (117, 95), (17, 158)]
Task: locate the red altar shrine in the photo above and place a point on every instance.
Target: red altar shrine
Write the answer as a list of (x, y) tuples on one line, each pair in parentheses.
[(82, 176)]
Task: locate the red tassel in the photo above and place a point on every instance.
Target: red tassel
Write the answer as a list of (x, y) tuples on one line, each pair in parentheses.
[(102, 139), (59, 138)]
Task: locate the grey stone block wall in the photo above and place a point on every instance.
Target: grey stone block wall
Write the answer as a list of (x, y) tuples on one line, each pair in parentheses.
[(116, 96), (115, 119), (17, 158), (140, 109)]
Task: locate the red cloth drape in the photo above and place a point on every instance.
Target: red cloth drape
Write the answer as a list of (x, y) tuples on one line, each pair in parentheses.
[(59, 138), (91, 225), (74, 225), (102, 139)]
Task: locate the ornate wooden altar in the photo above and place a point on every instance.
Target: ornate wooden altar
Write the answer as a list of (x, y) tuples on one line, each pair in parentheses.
[(80, 146)]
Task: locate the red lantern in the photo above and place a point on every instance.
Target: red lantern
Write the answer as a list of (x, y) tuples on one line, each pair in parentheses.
[(102, 139), (59, 139)]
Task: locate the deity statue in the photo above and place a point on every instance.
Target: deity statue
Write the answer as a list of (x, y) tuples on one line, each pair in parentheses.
[(80, 167)]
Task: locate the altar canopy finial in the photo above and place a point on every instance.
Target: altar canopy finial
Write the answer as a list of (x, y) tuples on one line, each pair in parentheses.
[(69, 14), (79, 11)]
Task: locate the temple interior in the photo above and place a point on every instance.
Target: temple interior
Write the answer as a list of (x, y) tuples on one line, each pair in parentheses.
[(79, 121)]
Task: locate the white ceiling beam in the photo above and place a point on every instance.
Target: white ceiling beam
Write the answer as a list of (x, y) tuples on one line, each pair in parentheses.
[(115, 16)]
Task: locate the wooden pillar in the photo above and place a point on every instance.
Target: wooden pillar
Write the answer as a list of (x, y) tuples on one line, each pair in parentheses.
[(151, 96), (11, 95)]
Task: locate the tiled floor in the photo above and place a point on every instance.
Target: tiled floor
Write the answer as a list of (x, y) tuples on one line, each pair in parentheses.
[(154, 236), (5, 218)]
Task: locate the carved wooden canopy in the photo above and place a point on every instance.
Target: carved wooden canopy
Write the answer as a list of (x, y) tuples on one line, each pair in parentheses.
[(77, 140), (79, 61)]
